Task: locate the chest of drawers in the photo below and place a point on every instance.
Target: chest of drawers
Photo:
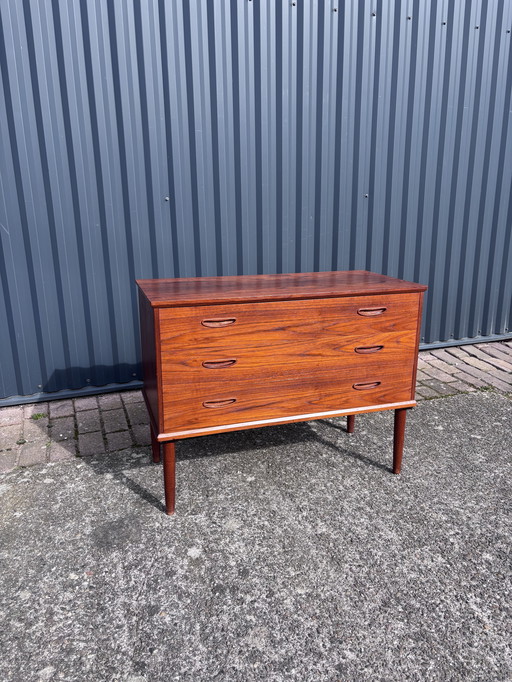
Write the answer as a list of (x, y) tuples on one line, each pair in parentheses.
[(229, 353)]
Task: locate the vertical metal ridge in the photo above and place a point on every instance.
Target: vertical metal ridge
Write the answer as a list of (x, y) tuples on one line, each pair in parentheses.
[(213, 111), (20, 218), (339, 56), (318, 156), (192, 138), (495, 284), (483, 244), (112, 349), (148, 169), (237, 141), (56, 316), (85, 329), (298, 10)]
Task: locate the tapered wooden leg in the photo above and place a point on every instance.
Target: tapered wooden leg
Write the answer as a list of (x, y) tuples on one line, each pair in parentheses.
[(155, 445), (169, 476), (398, 444), (351, 419)]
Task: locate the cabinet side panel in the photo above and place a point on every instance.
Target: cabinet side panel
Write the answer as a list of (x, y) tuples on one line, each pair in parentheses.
[(149, 359), (418, 332)]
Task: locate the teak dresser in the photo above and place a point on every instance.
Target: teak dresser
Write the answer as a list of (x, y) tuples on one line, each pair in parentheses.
[(228, 353)]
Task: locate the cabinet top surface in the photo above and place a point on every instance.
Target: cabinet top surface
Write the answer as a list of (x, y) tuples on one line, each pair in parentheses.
[(250, 288)]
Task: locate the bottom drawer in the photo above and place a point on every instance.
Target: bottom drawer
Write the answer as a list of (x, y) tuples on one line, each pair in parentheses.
[(248, 401)]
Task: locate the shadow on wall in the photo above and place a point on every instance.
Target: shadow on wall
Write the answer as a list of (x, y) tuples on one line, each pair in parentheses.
[(95, 376)]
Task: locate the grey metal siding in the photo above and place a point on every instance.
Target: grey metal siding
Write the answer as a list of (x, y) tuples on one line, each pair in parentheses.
[(174, 138)]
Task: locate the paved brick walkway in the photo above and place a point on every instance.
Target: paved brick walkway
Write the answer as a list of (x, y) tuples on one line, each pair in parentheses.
[(62, 429)]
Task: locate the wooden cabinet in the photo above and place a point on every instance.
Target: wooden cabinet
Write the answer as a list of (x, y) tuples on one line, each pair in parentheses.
[(228, 353)]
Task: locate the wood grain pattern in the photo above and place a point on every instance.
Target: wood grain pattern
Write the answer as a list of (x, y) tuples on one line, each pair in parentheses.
[(305, 339), (170, 476), (398, 439), (311, 328), (204, 290), (150, 358), (416, 345), (187, 371), (295, 393)]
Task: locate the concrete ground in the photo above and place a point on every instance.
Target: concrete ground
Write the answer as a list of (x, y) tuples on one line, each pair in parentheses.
[(294, 555)]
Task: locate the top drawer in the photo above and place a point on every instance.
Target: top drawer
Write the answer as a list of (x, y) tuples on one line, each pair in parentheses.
[(277, 323)]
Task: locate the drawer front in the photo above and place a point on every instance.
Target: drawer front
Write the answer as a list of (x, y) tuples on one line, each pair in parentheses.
[(246, 401), (198, 366), (250, 325)]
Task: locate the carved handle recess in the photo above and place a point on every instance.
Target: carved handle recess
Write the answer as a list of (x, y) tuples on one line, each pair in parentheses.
[(218, 322), (218, 364), (368, 349), (367, 385), (219, 403), (371, 312)]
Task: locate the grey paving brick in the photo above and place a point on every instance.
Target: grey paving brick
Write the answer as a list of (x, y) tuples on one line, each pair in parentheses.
[(62, 429), (61, 408), (132, 397), (442, 354), (456, 352), (497, 350), (35, 430), (34, 408), (442, 365), (61, 451), (110, 401), (119, 440), (91, 444), (89, 403), (435, 373), (471, 379), (8, 460), (9, 435), (114, 420), (32, 453), (462, 387), (497, 362), (439, 386), (420, 375), (493, 376), (137, 413), (141, 434), (88, 421), (11, 415), (426, 392)]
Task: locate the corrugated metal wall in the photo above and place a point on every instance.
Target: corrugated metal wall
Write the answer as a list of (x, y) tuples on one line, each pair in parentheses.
[(164, 138)]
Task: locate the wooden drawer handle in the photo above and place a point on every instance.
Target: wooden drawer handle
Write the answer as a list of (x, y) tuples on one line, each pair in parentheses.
[(366, 386), (219, 403), (371, 312), (218, 364), (368, 349), (218, 322)]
